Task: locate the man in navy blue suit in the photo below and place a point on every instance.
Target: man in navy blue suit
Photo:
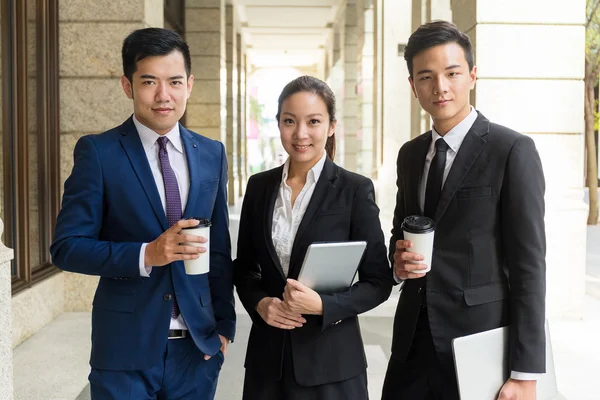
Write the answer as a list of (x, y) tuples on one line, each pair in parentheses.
[(157, 333)]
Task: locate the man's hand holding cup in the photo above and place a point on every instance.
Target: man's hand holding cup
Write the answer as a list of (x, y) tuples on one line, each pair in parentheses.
[(413, 255), (174, 245), (405, 262)]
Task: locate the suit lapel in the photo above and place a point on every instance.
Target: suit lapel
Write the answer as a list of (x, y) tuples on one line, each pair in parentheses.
[(469, 151), (328, 175), (135, 152), (192, 154), (271, 190), (415, 174)]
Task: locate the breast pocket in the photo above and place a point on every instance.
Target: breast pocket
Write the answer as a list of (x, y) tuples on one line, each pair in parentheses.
[(474, 193)]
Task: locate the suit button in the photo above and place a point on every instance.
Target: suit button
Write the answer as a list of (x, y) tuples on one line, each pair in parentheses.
[(419, 291), (167, 297)]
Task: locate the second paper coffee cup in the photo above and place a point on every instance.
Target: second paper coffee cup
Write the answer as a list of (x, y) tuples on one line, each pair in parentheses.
[(201, 265), (420, 231)]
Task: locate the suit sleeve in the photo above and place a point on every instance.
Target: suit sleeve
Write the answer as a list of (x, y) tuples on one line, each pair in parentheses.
[(247, 272), (76, 247), (524, 242), (375, 281), (399, 210), (221, 268)]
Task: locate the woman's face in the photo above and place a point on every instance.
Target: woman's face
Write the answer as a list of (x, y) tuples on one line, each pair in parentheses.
[(304, 126)]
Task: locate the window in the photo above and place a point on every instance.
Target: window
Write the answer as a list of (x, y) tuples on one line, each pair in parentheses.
[(30, 135)]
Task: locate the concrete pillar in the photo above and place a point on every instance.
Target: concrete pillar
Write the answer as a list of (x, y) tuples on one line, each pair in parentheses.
[(231, 144), (91, 35), (367, 165), (515, 47), (337, 84), (351, 119), (205, 33), (241, 115), (6, 359), (395, 118)]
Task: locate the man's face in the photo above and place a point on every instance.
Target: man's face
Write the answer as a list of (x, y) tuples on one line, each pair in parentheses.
[(441, 82), (159, 91)]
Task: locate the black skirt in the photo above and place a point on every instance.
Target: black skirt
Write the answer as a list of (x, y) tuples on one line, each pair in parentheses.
[(257, 387)]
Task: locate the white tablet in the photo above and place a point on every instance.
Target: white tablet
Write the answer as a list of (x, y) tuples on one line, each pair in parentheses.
[(331, 267)]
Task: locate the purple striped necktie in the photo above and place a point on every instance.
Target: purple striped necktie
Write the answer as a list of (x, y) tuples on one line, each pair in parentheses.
[(172, 197)]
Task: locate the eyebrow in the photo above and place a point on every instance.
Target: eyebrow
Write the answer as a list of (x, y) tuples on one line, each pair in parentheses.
[(173, 78), (309, 115), (428, 71)]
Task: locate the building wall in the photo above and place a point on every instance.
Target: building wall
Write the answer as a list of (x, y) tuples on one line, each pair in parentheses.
[(6, 363)]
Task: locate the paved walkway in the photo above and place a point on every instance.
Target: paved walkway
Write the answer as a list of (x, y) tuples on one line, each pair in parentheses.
[(575, 342)]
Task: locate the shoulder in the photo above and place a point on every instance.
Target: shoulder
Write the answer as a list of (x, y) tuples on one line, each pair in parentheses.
[(351, 179), (503, 137), (264, 178), (100, 141), (203, 140)]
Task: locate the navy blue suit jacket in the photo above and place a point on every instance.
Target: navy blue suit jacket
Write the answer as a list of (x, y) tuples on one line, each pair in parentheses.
[(110, 207)]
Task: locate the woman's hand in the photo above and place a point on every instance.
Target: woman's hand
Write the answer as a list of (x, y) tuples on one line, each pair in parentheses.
[(271, 310), (300, 299)]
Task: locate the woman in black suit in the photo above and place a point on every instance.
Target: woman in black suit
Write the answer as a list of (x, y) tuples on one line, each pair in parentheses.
[(304, 345)]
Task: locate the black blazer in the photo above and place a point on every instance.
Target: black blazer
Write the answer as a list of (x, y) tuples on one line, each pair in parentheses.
[(488, 267), (327, 348)]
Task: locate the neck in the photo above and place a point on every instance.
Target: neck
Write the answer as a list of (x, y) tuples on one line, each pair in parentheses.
[(444, 126), (299, 170)]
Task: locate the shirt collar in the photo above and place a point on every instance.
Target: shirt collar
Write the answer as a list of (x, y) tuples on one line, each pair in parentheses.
[(149, 137), (314, 172), (456, 135)]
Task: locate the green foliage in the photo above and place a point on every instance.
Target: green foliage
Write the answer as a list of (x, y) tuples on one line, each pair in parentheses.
[(592, 36)]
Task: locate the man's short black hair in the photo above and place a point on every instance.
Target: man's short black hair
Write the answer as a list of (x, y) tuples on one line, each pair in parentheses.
[(150, 42), (433, 34)]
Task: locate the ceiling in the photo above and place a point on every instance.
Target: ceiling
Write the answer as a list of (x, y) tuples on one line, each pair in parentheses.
[(286, 32)]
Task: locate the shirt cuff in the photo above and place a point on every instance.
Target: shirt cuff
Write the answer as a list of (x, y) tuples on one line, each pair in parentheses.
[(525, 376), (398, 280), (144, 271)]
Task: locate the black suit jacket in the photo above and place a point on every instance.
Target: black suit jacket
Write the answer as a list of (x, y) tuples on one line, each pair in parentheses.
[(488, 267), (327, 348)]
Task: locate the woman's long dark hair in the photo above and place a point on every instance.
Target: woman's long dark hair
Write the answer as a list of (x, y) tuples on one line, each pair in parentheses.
[(316, 86)]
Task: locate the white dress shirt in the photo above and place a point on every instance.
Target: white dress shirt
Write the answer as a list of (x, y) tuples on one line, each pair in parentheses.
[(178, 163), (454, 139), (287, 218)]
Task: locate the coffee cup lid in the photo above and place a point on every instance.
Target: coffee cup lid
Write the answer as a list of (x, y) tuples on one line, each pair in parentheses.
[(202, 222), (418, 224)]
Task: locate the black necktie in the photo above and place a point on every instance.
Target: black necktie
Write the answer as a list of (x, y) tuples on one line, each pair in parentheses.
[(435, 178)]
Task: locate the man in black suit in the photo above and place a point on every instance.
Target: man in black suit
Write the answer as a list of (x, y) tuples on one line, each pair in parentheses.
[(483, 185)]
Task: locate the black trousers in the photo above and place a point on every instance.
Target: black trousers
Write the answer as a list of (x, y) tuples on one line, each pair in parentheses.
[(421, 376), (256, 387)]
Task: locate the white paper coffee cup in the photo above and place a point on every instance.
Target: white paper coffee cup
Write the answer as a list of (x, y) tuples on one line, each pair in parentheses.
[(420, 231), (201, 265)]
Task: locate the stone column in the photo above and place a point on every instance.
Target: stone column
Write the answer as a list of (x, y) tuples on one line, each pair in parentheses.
[(6, 359), (365, 91), (336, 81), (205, 33), (91, 97), (351, 71), (231, 144), (420, 121), (241, 115), (394, 122), (523, 84)]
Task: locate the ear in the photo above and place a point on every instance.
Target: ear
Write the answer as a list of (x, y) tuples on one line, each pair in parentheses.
[(190, 85), (127, 87), (332, 128), (473, 77), (412, 86)]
